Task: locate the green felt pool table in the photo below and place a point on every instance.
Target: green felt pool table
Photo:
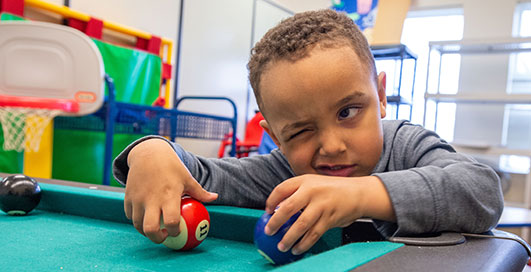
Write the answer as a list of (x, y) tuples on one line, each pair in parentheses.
[(78, 228), (82, 227)]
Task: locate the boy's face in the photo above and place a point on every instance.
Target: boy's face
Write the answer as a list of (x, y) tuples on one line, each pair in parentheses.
[(324, 112)]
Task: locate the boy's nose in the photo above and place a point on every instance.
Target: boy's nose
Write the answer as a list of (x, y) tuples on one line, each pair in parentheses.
[(331, 144)]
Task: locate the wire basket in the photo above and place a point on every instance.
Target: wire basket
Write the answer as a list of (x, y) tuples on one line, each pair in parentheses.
[(147, 120)]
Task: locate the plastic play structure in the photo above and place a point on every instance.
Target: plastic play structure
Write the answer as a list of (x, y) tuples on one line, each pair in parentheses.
[(135, 103)]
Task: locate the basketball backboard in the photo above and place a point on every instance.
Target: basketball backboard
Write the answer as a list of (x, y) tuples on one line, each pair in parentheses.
[(52, 62)]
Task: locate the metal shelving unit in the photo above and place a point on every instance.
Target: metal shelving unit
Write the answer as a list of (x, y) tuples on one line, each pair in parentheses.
[(466, 47), (399, 53), (478, 47)]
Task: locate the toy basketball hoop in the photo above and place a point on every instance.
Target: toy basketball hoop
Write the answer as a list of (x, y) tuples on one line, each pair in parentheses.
[(46, 70), (24, 119)]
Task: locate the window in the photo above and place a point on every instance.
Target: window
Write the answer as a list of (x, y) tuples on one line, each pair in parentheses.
[(520, 76), (421, 27), (517, 124)]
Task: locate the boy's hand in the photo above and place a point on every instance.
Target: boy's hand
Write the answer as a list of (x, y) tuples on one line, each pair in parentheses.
[(156, 181), (326, 202)]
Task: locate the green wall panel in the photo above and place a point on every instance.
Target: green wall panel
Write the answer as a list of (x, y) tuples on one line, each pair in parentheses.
[(10, 161), (10, 17), (79, 156), (136, 73)]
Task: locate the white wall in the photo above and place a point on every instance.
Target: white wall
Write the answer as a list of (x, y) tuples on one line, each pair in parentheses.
[(216, 38), (216, 41), (160, 17), (304, 5), (430, 4), (266, 17)]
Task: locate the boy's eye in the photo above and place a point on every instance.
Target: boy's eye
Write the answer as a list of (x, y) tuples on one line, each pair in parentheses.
[(297, 134), (348, 112)]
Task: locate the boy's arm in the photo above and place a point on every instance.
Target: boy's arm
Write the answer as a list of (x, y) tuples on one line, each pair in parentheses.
[(422, 185), (244, 182), (325, 202), (157, 172), (433, 188), (156, 180)]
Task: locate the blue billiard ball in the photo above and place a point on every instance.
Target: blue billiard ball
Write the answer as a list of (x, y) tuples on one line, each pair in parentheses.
[(267, 245)]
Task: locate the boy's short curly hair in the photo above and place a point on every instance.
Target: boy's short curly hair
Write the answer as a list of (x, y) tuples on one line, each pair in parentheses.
[(294, 37)]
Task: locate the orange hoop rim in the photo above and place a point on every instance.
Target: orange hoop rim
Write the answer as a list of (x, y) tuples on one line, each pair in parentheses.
[(65, 105)]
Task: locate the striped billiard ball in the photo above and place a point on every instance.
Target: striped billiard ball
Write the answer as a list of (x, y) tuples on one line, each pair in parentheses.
[(194, 226)]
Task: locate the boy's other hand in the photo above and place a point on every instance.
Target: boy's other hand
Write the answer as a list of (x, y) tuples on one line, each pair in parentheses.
[(156, 181), (326, 202)]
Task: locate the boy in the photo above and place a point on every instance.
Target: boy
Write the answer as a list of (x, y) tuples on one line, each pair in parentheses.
[(315, 82)]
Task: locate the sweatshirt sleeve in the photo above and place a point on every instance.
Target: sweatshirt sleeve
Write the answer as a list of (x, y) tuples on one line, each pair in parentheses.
[(433, 188), (244, 182)]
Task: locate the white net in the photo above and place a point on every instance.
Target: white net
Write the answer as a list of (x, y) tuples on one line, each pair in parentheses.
[(23, 127)]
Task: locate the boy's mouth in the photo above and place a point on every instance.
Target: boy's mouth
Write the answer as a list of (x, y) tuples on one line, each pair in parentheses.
[(336, 170)]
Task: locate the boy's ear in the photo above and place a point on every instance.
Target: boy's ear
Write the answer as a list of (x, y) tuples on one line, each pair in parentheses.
[(381, 93), (266, 127)]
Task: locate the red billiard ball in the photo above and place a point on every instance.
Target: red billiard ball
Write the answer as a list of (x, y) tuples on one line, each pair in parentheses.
[(194, 226), (19, 194), (267, 245)]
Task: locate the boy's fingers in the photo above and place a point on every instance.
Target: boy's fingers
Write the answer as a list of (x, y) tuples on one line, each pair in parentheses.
[(281, 192), (171, 215), (138, 218), (152, 225), (304, 223), (310, 238), (196, 191), (289, 207)]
